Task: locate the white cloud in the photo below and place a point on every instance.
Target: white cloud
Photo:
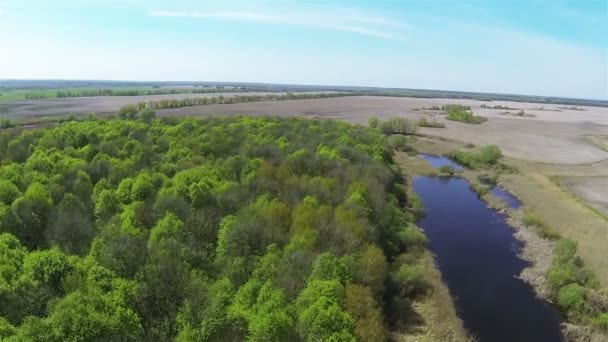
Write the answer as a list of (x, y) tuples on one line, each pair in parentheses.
[(344, 20)]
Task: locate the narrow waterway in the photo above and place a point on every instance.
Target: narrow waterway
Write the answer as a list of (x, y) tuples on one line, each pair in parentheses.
[(477, 255)]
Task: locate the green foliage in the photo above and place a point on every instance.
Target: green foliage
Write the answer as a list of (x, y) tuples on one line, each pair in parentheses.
[(169, 227), (8, 192), (564, 252), (398, 126), (242, 228), (11, 259), (320, 312), (483, 157), (400, 143), (373, 122), (360, 304), (601, 320), (447, 170), (328, 267), (541, 227), (572, 297), (48, 267), (93, 316), (431, 124), (265, 310), (463, 114)]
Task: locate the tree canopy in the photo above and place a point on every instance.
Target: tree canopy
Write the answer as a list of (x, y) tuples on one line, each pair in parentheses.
[(155, 229)]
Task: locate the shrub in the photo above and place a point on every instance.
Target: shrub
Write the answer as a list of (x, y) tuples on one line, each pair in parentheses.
[(462, 114), (601, 320), (398, 126), (484, 157), (560, 275), (398, 142), (447, 170), (479, 189), (564, 252), (572, 297), (431, 124), (373, 122)]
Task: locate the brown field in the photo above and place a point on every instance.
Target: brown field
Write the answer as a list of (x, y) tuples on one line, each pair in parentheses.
[(554, 135), (592, 190), (548, 137), (96, 104), (600, 141)]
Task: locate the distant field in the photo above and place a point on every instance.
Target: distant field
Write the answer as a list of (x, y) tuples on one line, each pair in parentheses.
[(601, 141), (592, 190), (550, 136), (7, 95), (99, 104)]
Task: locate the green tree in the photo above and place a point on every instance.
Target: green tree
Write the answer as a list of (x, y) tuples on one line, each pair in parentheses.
[(107, 204), (361, 305), (71, 225), (372, 269), (320, 313), (8, 192), (31, 211), (93, 317), (264, 310)]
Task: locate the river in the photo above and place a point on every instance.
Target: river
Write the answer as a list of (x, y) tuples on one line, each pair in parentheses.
[(477, 255)]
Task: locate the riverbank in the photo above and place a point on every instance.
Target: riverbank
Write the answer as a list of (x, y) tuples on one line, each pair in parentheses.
[(561, 214), (437, 309)]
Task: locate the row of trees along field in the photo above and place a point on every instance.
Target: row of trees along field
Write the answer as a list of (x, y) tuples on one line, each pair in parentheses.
[(253, 229), (140, 92), (131, 111)]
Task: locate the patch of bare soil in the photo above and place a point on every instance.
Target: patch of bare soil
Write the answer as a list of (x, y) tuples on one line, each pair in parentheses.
[(592, 190)]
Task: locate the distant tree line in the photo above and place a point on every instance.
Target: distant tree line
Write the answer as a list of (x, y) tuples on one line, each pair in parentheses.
[(141, 92), (130, 110), (36, 96)]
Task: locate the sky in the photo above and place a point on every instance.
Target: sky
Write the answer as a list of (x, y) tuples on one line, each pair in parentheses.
[(535, 47)]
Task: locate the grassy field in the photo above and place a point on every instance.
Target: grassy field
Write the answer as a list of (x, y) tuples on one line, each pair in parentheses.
[(565, 214)]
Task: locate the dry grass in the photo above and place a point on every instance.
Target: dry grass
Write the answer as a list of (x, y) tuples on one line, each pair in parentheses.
[(592, 191), (438, 312), (413, 165), (598, 140), (567, 216)]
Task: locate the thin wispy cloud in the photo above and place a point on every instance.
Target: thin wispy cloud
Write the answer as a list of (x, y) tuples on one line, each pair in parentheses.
[(349, 21)]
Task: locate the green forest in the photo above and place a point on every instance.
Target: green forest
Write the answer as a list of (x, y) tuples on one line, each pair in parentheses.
[(215, 229)]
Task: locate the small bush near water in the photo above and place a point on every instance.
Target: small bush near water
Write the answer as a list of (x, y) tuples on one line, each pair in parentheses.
[(574, 288), (482, 158), (462, 114)]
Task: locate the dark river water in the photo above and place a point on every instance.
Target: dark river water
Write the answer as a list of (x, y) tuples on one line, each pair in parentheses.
[(506, 196), (438, 161), (476, 253)]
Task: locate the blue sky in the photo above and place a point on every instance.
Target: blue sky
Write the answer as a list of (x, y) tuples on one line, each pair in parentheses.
[(545, 47)]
